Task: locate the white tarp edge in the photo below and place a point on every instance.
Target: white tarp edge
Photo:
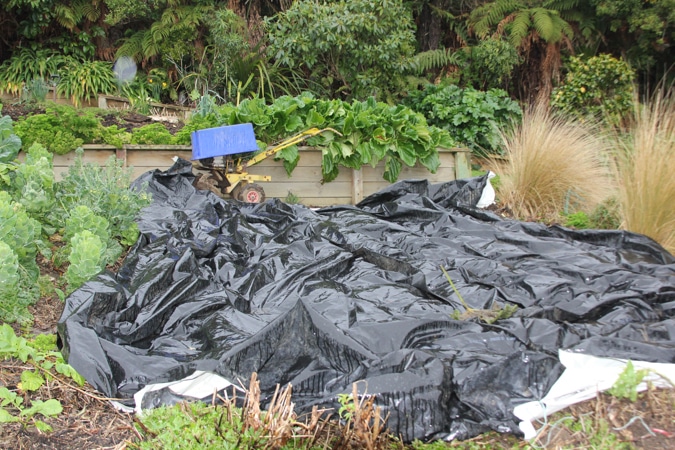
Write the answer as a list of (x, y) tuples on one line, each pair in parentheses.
[(583, 378)]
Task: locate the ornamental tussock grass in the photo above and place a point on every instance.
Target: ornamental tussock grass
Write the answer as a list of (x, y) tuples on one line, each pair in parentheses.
[(552, 165), (646, 170)]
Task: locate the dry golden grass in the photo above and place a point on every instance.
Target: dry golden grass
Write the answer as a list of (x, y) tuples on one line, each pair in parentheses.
[(646, 171), (552, 165)]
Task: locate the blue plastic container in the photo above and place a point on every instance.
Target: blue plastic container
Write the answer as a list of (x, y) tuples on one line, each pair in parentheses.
[(222, 141)]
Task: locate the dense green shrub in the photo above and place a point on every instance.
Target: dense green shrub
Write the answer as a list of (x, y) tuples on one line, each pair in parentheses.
[(114, 135), (473, 118), (489, 64), (356, 49), (600, 87)]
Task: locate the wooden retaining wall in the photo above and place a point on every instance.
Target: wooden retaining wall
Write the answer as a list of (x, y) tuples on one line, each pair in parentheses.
[(350, 187)]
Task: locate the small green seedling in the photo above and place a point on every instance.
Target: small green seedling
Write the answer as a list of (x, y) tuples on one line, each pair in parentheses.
[(627, 383)]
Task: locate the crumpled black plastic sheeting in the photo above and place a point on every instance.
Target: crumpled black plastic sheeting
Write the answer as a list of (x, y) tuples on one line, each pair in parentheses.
[(325, 298)]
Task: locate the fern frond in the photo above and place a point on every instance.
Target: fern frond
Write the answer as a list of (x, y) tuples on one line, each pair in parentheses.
[(132, 46), (64, 16), (483, 18), (435, 59), (543, 24), (90, 10), (151, 46), (520, 28), (159, 32), (561, 5)]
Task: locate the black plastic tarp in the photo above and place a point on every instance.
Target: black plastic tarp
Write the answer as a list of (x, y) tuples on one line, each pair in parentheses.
[(325, 298)]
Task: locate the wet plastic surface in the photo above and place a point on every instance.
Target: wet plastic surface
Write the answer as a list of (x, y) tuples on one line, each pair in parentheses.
[(324, 298)]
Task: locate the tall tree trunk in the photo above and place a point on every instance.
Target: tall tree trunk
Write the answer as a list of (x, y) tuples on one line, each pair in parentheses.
[(430, 29)]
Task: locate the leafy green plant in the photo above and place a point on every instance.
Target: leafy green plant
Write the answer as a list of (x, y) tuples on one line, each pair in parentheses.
[(291, 198), (9, 282), (41, 354), (83, 218), (154, 133), (35, 91), (347, 406), (10, 143), (473, 118), (369, 132), (83, 80), (600, 87), (80, 219), (105, 190), (33, 183), (578, 220), (86, 258), (627, 383), (26, 65), (20, 232)]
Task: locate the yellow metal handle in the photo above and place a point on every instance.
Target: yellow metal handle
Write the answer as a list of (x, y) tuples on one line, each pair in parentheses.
[(282, 145)]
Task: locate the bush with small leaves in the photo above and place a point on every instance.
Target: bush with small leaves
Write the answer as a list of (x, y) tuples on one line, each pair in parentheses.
[(599, 87)]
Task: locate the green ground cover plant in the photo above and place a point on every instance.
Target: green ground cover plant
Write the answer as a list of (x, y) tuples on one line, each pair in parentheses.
[(46, 363)]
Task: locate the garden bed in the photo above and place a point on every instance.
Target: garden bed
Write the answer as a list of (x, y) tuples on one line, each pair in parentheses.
[(350, 187)]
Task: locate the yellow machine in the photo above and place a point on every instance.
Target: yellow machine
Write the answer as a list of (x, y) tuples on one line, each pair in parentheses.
[(226, 153)]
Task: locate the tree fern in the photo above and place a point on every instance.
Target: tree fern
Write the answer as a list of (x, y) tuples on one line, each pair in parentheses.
[(485, 17)]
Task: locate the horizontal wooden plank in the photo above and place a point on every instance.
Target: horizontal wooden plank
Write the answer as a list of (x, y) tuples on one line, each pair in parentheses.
[(155, 159)]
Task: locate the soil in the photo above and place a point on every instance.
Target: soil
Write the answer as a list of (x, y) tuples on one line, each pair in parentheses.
[(90, 421)]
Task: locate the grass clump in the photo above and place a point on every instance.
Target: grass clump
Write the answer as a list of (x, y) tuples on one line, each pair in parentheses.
[(553, 165), (646, 168)]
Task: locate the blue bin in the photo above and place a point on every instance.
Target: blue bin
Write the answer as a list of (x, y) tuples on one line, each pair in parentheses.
[(222, 141)]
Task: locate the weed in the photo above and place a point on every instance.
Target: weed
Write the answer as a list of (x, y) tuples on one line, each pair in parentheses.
[(627, 383), (292, 199), (486, 315)]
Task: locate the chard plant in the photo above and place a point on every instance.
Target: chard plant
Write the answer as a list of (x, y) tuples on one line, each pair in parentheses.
[(369, 132)]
